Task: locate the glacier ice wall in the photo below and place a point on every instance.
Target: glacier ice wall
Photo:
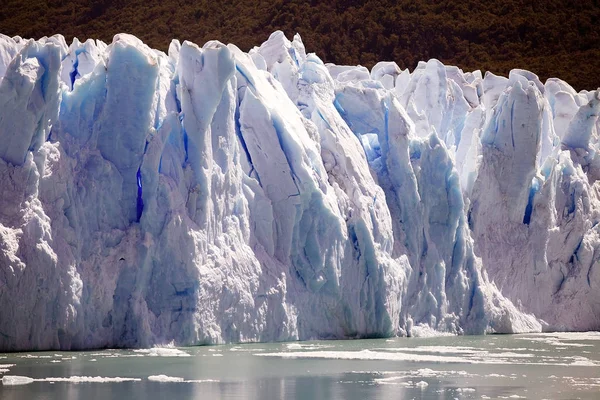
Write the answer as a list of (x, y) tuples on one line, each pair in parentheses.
[(209, 195)]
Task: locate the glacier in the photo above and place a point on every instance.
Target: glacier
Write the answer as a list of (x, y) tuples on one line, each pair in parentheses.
[(209, 195)]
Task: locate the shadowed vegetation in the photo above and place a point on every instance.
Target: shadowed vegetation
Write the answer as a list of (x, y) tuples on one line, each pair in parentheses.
[(551, 38)]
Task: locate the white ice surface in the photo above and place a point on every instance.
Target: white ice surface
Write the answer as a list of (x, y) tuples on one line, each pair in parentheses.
[(208, 196), (175, 379), (88, 379), (477, 357), (164, 378), (15, 380), (12, 380), (163, 352)]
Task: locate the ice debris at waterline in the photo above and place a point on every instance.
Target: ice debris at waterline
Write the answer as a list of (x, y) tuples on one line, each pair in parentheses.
[(211, 195)]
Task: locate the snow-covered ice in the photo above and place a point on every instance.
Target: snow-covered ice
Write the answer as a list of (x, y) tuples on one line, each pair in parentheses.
[(209, 195)]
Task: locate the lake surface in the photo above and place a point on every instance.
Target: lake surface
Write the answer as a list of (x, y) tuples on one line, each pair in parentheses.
[(536, 366)]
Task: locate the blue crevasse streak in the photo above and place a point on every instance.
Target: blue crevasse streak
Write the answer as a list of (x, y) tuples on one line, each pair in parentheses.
[(535, 187), (73, 74), (140, 200)]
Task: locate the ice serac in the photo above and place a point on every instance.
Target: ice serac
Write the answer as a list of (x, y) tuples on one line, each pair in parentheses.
[(209, 195), (446, 289), (530, 215), (29, 97)]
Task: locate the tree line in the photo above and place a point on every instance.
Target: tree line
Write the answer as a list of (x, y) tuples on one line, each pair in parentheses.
[(553, 38)]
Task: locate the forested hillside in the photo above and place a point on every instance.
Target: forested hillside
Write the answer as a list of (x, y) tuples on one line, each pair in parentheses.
[(551, 37)]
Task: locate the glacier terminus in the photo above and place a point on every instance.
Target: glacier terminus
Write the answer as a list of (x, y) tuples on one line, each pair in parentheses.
[(210, 195)]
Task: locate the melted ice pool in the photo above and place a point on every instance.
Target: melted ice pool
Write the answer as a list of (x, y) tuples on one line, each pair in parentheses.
[(537, 366)]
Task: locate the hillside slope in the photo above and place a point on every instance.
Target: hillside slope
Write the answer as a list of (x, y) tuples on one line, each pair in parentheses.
[(551, 38)]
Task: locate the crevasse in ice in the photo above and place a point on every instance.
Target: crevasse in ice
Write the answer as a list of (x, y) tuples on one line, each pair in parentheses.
[(211, 195)]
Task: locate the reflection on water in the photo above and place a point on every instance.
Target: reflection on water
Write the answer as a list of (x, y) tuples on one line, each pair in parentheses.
[(553, 366)]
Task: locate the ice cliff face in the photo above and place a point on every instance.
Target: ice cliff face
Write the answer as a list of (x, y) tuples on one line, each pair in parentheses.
[(210, 196)]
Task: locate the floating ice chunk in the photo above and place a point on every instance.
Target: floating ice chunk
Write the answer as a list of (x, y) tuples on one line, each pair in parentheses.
[(174, 379), (164, 378), (88, 379), (5, 368), (163, 352), (307, 346), (14, 380)]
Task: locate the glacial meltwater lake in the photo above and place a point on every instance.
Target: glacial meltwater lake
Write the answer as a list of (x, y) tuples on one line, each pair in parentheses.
[(533, 366)]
